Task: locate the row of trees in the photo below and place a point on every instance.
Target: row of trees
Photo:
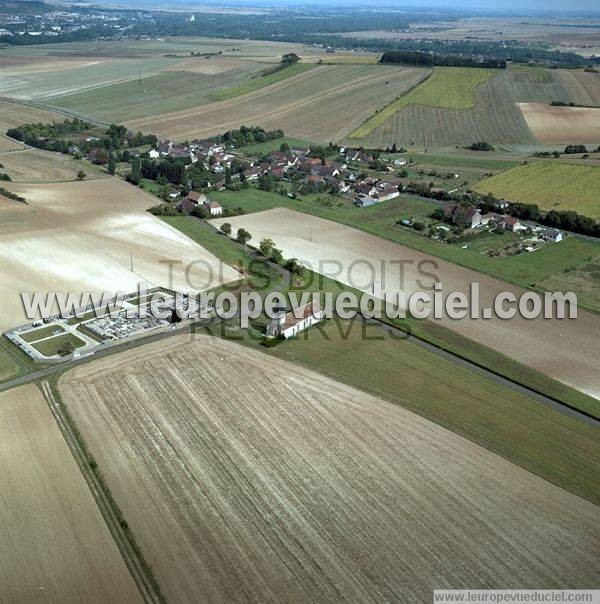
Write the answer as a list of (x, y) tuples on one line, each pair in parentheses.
[(247, 135), (64, 136), (266, 247), (416, 57)]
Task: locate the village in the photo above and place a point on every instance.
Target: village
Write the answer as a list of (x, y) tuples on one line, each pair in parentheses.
[(352, 177)]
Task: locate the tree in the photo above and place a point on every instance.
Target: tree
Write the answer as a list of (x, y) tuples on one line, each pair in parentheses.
[(290, 57), (136, 171), (66, 349), (112, 166), (243, 236), (293, 266), (226, 228), (266, 247), (165, 192), (81, 175), (276, 256), (284, 147)]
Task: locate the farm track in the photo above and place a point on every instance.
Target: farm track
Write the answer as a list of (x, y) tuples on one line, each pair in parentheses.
[(137, 567)]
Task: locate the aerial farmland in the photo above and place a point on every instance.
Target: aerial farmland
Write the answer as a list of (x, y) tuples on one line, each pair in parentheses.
[(52, 243), (60, 548), (300, 487), (249, 428), (321, 244)]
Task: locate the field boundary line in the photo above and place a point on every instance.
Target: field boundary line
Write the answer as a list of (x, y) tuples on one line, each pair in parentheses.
[(132, 556)]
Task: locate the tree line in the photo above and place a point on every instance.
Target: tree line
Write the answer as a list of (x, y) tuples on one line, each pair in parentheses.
[(426, 59)]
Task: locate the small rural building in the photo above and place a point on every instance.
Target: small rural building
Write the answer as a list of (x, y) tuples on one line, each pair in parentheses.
[(196, 197), (364, 201), (552, 235), (385, 195), (153, 154), (291, 323), (215, 208), (510, 223)]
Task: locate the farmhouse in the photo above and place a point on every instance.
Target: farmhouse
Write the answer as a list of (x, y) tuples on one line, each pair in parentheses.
[(510, 223), (291, 323), (552, 235), (215, 208), (196, 197)]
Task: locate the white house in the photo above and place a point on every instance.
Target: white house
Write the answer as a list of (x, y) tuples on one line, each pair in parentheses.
[(214, 207), (153, 154), (291, 323)]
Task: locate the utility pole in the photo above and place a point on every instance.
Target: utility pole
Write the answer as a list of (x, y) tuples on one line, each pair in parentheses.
[(139, 77), (131, 261)]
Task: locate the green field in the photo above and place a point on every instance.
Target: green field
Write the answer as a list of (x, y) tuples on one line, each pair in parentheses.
[(260, 81), (41, 333), (50, 347), (452, 160), (263, 148), (14, 362), (551, 185), (495, 117), (527, 270), (159, 93), (429, 331), (515, 426), (449, 87), (541, 74)]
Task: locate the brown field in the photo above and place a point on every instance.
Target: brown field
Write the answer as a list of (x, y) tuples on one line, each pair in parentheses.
[(13, 114), (247, 478), (566, 351), (79, 236), (562, 124), (56, 546), (42, 166), (8, 144), (322, 104)]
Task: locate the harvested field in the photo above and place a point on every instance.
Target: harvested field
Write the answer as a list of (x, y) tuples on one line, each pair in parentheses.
[(159, 93), (36, 81), (83, 236), (43, 166), (562, 124), (551, 185), (565, 350), (8, 144), (496, 116), (322, 104), (60, 547), (13, 114), (256, 479), (261, 80)]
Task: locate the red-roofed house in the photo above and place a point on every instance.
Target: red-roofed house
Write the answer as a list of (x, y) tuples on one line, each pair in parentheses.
[(291, 323)]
